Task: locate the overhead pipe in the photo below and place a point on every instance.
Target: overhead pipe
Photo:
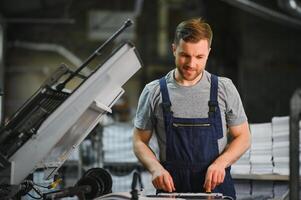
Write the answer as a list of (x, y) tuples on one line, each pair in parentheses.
[(39, 21), (53, 48), (265, 12), (293, 7), (21, 6)]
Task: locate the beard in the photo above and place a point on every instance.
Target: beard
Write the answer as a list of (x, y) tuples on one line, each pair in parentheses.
[(189, 74)]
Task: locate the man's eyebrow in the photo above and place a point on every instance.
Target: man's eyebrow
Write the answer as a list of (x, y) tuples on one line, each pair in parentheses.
[(183, 53), (198, 55)]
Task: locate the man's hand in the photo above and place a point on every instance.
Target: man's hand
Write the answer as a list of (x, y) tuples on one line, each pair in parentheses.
[(163, 180), (215, 175)]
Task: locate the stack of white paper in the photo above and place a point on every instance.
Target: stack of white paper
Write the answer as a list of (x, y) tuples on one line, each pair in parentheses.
[(243, 189), (117, 143), (242, 166), (261, 148), (280, 127), (280, 189), (262, 189)]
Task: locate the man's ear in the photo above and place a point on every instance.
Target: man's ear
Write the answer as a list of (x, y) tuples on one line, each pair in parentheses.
[(174, 47)]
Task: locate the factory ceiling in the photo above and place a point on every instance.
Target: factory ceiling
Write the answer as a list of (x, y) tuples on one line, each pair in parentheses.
[(60, 11), (288, 11)]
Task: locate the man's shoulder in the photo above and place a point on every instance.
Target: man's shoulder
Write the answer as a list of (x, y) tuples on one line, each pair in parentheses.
[(154, 86), (226, 82), (151, 89), (222, 81)]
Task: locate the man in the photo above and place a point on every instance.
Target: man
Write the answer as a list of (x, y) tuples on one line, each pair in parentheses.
[(190, 110)]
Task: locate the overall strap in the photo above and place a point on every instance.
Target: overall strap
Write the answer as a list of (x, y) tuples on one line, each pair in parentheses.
[(214, 111), (213, 103), (166, 104)]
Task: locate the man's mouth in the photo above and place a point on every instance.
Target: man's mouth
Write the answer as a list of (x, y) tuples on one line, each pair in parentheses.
[(189, 69)]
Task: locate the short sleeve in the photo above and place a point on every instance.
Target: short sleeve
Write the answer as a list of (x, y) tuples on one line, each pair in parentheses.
[(235, 113), (144, 114)]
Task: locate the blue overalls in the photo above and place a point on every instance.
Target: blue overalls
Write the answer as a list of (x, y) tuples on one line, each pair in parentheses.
[(192, 145)]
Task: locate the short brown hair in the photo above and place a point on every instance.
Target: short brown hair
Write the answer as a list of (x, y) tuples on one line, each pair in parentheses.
[(193, 30)]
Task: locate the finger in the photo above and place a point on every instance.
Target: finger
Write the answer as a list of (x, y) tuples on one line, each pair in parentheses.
[(214, 180), (159, 182), (155, 184), (167, 183), (208, 187), (172, 184), (207, 183), (221, 178)]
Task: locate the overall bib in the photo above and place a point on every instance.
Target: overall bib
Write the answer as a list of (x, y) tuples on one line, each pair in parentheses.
[(192, 145)]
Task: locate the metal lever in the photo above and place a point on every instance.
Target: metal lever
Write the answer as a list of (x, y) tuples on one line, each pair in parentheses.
[(136, 179)]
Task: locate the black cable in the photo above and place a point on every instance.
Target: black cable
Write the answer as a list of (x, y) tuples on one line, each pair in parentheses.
[(35, 189), (115, 196), (228, 197), (33, 196), (29, 185)]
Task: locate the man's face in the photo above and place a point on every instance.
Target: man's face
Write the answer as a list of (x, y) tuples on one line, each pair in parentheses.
[(190, 58)]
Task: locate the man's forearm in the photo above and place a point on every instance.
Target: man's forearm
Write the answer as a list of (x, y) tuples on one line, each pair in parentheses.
[(234, 151), (239, 145), (146, 156)]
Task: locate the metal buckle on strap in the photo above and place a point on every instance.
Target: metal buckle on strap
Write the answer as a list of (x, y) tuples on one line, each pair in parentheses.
[(212, 107)]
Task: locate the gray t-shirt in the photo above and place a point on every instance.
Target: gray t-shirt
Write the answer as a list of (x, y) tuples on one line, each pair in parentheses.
[(188, 102)]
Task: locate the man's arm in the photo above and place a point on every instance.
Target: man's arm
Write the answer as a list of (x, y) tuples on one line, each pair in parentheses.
[(161, 177), (240, 144)]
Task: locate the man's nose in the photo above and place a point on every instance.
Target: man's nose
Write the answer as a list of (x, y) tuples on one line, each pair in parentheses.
[(191, 62)]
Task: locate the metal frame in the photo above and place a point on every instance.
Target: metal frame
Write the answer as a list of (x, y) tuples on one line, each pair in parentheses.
[(2, 32), (295, 112)]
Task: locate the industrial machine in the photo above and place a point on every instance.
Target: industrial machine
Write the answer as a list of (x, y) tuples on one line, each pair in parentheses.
[(56, 119)]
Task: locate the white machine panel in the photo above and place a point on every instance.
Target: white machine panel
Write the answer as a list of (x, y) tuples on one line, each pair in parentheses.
[(75, 118)]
